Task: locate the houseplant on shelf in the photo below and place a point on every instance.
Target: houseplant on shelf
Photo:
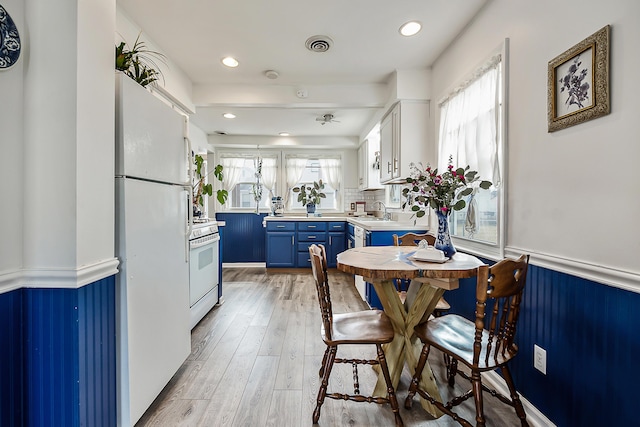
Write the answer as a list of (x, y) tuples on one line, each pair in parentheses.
[(310, 195), (444, 193), (200, 189)]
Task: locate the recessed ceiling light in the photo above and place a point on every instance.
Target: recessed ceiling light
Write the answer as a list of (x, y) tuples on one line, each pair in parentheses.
[(410, 28), (229, 116), (230, 61), (284, 134)]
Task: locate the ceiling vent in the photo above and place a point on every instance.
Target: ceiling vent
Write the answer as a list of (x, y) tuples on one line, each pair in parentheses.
[(318, 43)]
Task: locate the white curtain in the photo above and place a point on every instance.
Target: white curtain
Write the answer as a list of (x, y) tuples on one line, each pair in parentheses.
[(332, 169), (294, 168), (232, 171), (469, 125), (269, 175)]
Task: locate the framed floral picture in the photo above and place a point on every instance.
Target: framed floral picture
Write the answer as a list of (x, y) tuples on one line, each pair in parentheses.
[(578, 82)]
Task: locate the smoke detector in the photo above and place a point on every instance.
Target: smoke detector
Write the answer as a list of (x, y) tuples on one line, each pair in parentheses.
[(318, 43), (271, 74)]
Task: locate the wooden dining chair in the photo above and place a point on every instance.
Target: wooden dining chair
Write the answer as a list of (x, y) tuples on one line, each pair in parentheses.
[(413, 239), (369, 327), (485, 345)]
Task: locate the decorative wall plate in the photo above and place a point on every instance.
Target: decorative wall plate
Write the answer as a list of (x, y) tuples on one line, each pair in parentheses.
[(9, 40)]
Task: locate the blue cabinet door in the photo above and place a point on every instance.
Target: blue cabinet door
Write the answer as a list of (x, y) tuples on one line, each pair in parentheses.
[(281, 249), (337, 243)]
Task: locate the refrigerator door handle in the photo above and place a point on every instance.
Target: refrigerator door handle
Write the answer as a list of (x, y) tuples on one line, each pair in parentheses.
[(189, 223), (189, 185)]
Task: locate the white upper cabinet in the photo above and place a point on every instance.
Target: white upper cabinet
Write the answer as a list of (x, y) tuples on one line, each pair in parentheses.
[(369, 163), (404, 133)]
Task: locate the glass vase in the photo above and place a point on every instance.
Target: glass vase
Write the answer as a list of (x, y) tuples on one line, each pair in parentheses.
[(311, 208), (443, 238)]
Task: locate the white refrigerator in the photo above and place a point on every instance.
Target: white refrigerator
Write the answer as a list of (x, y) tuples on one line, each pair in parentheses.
[(152, 225)]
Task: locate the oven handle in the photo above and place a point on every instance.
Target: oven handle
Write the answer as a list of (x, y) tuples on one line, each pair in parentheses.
[(195, 244)]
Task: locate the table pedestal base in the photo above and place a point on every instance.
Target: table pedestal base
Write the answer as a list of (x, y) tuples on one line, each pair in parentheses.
[(406, 347)]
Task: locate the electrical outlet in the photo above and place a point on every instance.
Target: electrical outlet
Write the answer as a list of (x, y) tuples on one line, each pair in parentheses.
[(540, 359)]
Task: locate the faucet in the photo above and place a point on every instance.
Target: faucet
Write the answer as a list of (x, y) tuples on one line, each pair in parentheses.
[(387, 215)]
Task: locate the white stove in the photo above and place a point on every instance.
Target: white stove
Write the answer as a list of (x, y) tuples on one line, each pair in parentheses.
[(204, 253)]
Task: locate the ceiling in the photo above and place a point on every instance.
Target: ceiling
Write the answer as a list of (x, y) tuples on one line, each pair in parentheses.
[(349, 80)]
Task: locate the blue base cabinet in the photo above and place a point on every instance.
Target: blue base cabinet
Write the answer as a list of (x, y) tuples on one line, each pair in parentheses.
[(287, 242), (337, 242), (281, 246)]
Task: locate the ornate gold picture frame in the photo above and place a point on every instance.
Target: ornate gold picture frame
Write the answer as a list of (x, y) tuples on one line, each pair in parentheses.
[(578, 82)]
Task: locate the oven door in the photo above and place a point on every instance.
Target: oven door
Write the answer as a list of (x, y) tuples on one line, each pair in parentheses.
[(203, 266)]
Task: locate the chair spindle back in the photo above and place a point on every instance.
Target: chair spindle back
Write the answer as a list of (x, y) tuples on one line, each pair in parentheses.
[(319, 269), (498, 297)]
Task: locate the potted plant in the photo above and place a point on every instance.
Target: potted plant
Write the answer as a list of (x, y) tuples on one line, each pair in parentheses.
[(200, 189), (310, 195), (139, 62)]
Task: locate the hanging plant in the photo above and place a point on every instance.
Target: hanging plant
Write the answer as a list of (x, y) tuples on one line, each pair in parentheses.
[(139, 63), (256, 188)]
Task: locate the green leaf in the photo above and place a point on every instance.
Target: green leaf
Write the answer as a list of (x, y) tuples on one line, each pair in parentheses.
[(217, 172), (465, 192), (460, 171), (207, 189), (485, 185), (420, 214), (459, 205), (415, 208), (222, 196)]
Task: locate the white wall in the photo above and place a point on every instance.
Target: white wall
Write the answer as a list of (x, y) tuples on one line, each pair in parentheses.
[(572, 193), (12, 189), (175, 81), (57, 146)]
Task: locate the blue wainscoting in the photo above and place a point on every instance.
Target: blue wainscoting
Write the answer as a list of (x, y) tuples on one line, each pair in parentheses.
[(11, 357), (588, 331), (58, 356), (244, 237)]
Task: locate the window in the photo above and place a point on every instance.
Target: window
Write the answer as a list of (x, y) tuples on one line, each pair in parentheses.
[(306, 171), (471, 133), (244, 185)]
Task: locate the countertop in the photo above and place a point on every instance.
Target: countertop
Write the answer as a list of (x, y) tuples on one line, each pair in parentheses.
[(368, 223)]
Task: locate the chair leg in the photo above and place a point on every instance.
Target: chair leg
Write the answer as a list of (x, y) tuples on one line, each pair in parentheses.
[(322, 392), (452, 370), (393, 401), (476, 382), (515, 398), (324, 362), (416, 376)]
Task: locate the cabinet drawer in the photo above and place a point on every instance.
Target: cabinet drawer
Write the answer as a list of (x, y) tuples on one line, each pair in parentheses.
[(281, 226), (310, 236), (312, 226), (304, 246), (336, 226)]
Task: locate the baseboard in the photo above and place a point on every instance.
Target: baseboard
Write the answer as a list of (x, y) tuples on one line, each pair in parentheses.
[(534, 416), (244, 265)]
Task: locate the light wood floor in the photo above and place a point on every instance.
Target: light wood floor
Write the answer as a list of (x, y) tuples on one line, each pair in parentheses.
[(255, 360)]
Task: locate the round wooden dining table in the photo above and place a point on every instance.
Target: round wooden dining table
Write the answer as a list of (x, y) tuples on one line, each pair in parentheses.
[(380, 265)]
